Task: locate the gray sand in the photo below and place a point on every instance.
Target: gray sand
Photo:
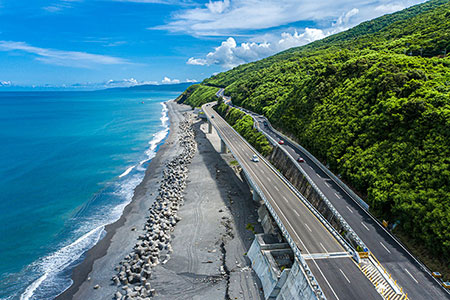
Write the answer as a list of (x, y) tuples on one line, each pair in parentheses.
[(217, 208), (209, 243)]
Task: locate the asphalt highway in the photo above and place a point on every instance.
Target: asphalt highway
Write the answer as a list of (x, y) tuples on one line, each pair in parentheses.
[(308, 233), (417, 283)]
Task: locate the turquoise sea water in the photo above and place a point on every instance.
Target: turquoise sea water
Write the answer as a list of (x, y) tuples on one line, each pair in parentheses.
[(69, 162)]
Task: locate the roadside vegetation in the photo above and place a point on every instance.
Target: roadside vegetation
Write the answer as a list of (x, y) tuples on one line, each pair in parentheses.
[(196, 95), (243, 124), (373, 103)]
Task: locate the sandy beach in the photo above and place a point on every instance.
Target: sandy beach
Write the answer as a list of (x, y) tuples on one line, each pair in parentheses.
[(209, 243)]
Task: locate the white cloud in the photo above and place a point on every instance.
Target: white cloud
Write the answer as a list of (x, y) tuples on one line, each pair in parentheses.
[(191, 80), (389, 8), (218, 7), (170, 2), (229, 54), (5, 83), (61, 57), (112, 83), (167, 80), (60, 5), (197, 61), (127, 82), (345, 17), (231, 17)]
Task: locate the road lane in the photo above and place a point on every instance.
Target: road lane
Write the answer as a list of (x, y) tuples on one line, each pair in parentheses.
[(395, 259), (305, 229)]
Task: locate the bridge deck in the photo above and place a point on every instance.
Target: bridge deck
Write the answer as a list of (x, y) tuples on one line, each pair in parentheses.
[(308, 233)]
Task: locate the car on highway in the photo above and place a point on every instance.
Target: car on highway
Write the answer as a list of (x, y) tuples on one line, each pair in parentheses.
[(255, 158), (212, 116), (300, 159), (281, 142), (265, 123)]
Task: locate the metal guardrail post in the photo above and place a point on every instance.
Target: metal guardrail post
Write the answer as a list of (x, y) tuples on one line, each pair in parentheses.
[(313, 284)]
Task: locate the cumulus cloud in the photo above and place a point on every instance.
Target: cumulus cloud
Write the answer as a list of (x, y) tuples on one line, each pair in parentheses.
[(5, 83), (218, 7), (229, 54), (197, 61), (191, 80), (167, 80), (61, 57)]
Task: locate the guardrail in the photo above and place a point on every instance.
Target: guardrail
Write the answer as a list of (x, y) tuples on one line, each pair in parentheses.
[(314, 285), (346, 189), (327, 202), (358, 201), (344, 223), (333, 177)]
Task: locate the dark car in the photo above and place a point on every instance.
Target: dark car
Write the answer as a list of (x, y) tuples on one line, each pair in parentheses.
[(212, 116), (265, 123), (300, 160), (281, 142)]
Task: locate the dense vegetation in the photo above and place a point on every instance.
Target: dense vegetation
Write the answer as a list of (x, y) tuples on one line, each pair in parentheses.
[(243, 124), (196, 95), (374, 104)]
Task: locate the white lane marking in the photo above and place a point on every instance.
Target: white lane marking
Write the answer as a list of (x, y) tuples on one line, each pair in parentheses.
[(269, 179), (276, 188), (337, 195), (385, 247), (298, 237), (344, 276), (296, 213), (365, 226), (349, 209), (323, 247), (285, 199), (308, 227), (411, 276), (328, 185)]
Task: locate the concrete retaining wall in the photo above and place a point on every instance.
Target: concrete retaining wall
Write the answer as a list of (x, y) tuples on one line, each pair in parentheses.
[(284, 164), (287, 284)]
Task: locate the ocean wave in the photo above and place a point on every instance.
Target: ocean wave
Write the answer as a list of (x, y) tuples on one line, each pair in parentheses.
[(127, 171), (56, 262), (160, 135), (52, 271)]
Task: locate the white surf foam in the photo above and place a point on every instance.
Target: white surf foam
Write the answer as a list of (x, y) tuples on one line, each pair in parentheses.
[(160, 135), (61, 259), (127, 171), (51, 265)]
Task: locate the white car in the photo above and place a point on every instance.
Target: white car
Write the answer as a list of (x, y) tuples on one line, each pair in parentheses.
[(255, 158)]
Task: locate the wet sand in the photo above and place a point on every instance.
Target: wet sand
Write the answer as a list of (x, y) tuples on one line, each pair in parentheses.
[(209, 243)]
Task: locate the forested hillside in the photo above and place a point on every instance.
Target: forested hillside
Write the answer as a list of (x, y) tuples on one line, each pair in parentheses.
[(374, 104)]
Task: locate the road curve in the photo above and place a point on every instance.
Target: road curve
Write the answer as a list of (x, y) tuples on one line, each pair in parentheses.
[(308, 233)]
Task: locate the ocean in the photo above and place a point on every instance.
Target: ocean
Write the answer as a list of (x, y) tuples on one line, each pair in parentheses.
[(69, 162)]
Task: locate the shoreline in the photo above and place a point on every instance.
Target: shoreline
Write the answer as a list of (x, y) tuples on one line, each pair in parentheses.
[(185, 234), (80, 273)]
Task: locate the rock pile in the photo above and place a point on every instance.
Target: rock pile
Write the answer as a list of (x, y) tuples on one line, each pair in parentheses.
[(153, 245)]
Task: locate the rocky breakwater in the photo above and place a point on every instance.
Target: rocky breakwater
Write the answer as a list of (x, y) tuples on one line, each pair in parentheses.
[(153, 245)]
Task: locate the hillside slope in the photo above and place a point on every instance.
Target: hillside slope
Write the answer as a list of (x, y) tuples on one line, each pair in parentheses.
[(374, 103)]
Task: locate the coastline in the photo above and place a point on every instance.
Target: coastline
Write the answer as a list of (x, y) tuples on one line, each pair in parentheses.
[(203, 255), (122, 234)]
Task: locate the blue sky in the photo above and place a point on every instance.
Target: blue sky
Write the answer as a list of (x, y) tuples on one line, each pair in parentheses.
[(101, 43)]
